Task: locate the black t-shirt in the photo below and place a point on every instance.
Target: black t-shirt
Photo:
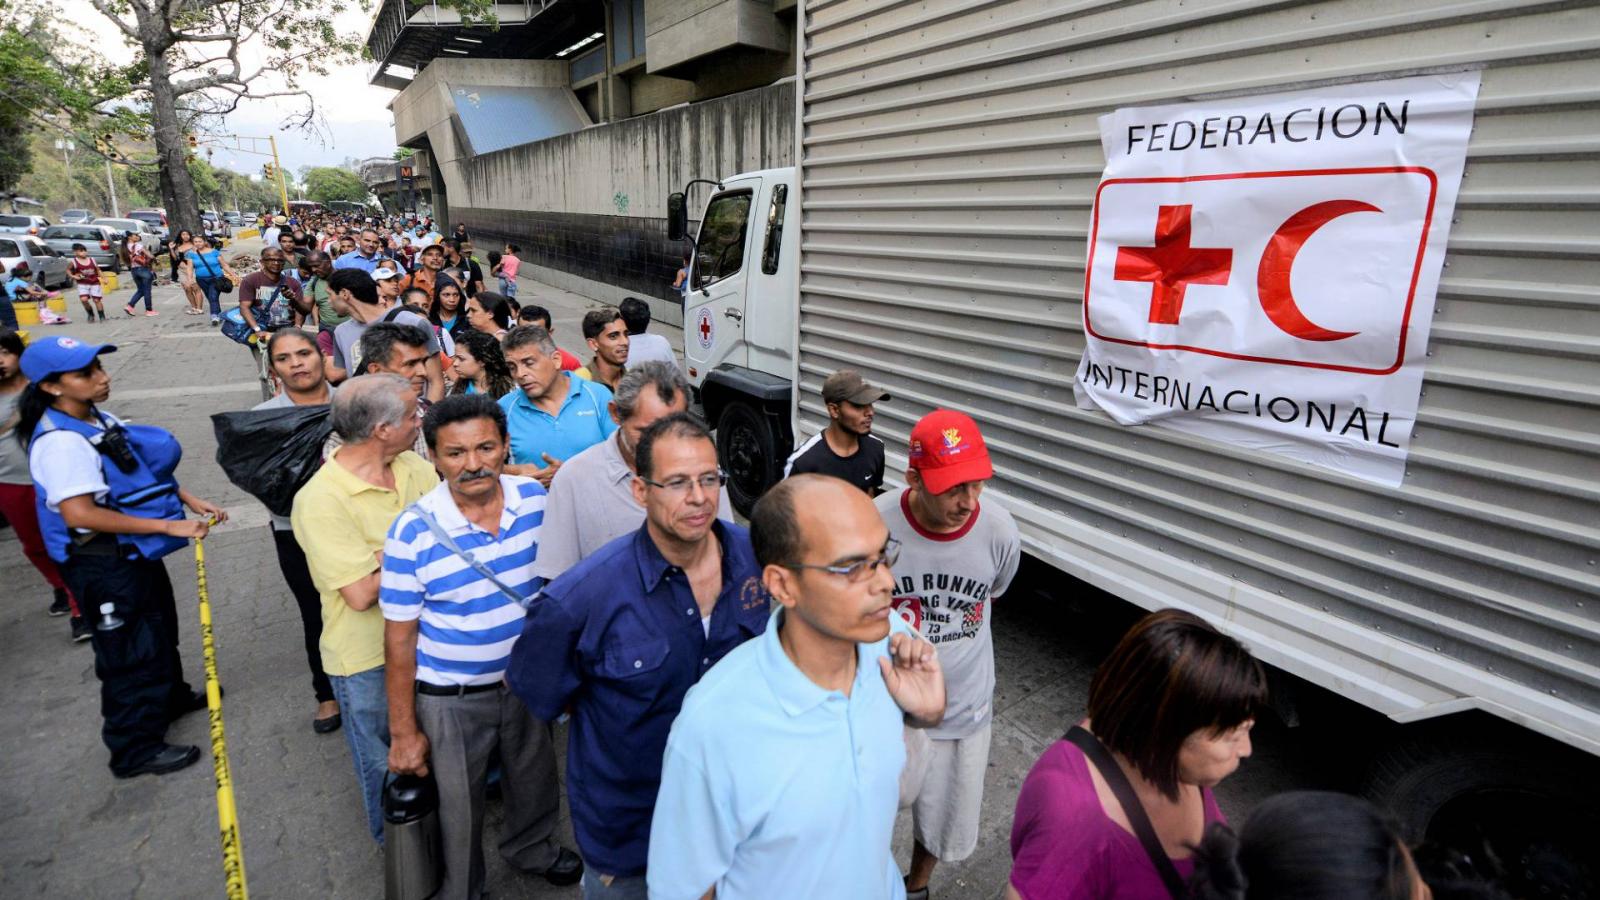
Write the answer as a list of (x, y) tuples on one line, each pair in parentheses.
[(864, 468)]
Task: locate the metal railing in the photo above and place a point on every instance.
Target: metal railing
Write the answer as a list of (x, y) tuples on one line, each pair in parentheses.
[(394, 16)]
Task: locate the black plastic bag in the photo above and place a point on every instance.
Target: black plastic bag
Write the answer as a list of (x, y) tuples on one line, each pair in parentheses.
[(272, 453)]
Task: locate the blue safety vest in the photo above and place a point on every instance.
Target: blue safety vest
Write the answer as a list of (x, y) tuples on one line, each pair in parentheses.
[(148, 492)]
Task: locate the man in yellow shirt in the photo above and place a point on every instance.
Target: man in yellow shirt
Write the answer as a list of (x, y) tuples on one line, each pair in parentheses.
[(340, 519)]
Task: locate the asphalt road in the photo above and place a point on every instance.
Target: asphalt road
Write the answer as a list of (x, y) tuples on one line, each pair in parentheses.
[(71, 830)]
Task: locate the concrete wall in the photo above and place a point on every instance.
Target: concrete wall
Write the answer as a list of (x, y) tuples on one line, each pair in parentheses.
[(686, 30), (423, 112), (588, 209)]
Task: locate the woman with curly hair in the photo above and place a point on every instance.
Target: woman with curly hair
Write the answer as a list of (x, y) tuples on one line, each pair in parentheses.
[(480, 366)]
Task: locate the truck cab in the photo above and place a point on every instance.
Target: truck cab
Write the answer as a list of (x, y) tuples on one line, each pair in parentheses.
[(739, 323)]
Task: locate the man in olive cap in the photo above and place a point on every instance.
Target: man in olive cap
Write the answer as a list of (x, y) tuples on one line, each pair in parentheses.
[(846, 448)]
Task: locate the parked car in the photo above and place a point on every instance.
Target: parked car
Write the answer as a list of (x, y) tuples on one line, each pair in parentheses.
[(233, 217), (155, 218), (20, 224), (214, 224), (49, 268), (155, 239), (100, 240), (76, 217)]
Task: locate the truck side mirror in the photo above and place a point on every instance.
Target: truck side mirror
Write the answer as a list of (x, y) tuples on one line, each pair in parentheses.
[(677, 216)]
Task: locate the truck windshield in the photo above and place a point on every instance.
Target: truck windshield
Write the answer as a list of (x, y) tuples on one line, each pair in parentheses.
[(720, 250)]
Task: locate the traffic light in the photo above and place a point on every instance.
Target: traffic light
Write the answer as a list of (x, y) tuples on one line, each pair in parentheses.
[(269, 170)]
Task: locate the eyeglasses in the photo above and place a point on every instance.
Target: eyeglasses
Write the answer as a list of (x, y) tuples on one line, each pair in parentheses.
[(710, 482), (861, 569)]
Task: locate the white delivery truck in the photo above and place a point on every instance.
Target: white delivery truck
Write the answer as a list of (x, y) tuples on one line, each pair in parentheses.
[(934, 236)]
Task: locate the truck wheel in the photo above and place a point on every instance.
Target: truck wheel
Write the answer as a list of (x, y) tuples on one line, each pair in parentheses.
[(1518, 808), (747, 450)]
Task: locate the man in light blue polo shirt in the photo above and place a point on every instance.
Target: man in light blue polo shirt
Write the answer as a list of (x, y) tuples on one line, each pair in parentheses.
[(365, 257), (552, 416), (450, 622), (781, 776)]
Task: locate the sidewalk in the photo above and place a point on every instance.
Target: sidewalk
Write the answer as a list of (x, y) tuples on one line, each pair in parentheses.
[(70, 828)]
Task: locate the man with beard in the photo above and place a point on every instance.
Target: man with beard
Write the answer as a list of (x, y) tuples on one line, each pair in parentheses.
[(297, 364), (846, 448), (607, 335), (622, 637), (451, 621)]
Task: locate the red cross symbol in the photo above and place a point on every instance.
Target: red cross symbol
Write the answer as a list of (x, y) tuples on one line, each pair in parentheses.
[(705, 329), (1172, 265)]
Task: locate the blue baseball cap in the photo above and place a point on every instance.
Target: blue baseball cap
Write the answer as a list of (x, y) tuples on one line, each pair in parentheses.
[(53, 355)]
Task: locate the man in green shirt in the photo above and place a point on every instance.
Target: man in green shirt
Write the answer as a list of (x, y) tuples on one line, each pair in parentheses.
[(315, 267)]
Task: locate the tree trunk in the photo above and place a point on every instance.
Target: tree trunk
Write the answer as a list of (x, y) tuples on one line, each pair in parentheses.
[(177, 187)]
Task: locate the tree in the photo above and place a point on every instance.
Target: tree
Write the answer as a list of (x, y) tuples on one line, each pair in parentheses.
[(199, 59), (404, 153), (326, 184)]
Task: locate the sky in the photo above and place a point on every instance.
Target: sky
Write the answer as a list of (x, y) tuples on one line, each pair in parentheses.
[(353, 116)]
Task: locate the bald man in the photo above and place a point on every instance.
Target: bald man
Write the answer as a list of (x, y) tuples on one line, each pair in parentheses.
[(817, 703)]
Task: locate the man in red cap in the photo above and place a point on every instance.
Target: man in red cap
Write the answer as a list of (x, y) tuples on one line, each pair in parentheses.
[(957, 555)]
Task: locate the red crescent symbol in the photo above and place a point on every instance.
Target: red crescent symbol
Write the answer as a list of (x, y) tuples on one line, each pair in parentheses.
[(1277, 264)]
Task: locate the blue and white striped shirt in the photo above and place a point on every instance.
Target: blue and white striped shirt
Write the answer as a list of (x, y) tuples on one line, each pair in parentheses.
[(467, 625)]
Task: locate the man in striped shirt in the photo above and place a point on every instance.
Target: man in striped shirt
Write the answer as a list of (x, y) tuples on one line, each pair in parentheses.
[(457, 569)]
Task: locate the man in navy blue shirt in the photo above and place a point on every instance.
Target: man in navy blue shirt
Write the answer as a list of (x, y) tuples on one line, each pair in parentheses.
[(622, 636)]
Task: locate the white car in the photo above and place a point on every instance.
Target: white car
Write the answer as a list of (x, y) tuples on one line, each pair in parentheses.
[(48, 268)]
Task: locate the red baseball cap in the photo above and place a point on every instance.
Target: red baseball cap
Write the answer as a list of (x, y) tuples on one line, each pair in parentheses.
[(947, 449)]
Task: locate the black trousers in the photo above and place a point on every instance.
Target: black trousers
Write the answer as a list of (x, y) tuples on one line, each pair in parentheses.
[(141, 674), (292, 560)]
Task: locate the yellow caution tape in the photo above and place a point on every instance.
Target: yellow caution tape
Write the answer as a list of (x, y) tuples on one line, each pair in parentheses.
[(227, 810)]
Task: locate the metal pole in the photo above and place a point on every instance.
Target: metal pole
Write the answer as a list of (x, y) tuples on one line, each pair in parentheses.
[(283, 188), (111, 188)]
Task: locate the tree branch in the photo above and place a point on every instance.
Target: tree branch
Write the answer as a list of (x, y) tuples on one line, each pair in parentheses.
[(106, 10), (197, 38)]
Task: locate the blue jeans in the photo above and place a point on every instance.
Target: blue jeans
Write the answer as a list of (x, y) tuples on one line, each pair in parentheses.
[(143, 279), (364, 707), (208, 286), (619, 889), (508, 286)]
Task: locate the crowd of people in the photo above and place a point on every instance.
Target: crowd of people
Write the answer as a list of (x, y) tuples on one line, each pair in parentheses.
[(502, 536)]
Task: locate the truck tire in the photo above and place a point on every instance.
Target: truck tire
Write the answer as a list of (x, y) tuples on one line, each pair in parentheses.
[(747, 450), (1531, 810)]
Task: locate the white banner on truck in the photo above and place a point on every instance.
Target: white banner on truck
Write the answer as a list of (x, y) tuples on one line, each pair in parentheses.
[(1262, 269)]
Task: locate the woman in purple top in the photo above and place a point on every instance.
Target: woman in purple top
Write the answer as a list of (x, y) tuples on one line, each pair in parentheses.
[(1172, 707)]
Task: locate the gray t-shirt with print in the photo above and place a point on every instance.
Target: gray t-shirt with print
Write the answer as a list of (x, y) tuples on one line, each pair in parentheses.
[(347, 337), (943, 585)]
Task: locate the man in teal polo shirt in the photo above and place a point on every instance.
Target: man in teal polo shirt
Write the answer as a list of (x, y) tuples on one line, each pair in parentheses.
[(782, 772), (552, 416)]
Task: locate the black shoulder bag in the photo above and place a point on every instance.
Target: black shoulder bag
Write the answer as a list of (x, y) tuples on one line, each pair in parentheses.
[(1117, 780)]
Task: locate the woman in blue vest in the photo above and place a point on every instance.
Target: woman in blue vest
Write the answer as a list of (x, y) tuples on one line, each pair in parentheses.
[(109, 510)]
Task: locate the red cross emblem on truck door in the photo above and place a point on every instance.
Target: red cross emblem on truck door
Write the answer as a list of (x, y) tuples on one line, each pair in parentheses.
[(704, 328)]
